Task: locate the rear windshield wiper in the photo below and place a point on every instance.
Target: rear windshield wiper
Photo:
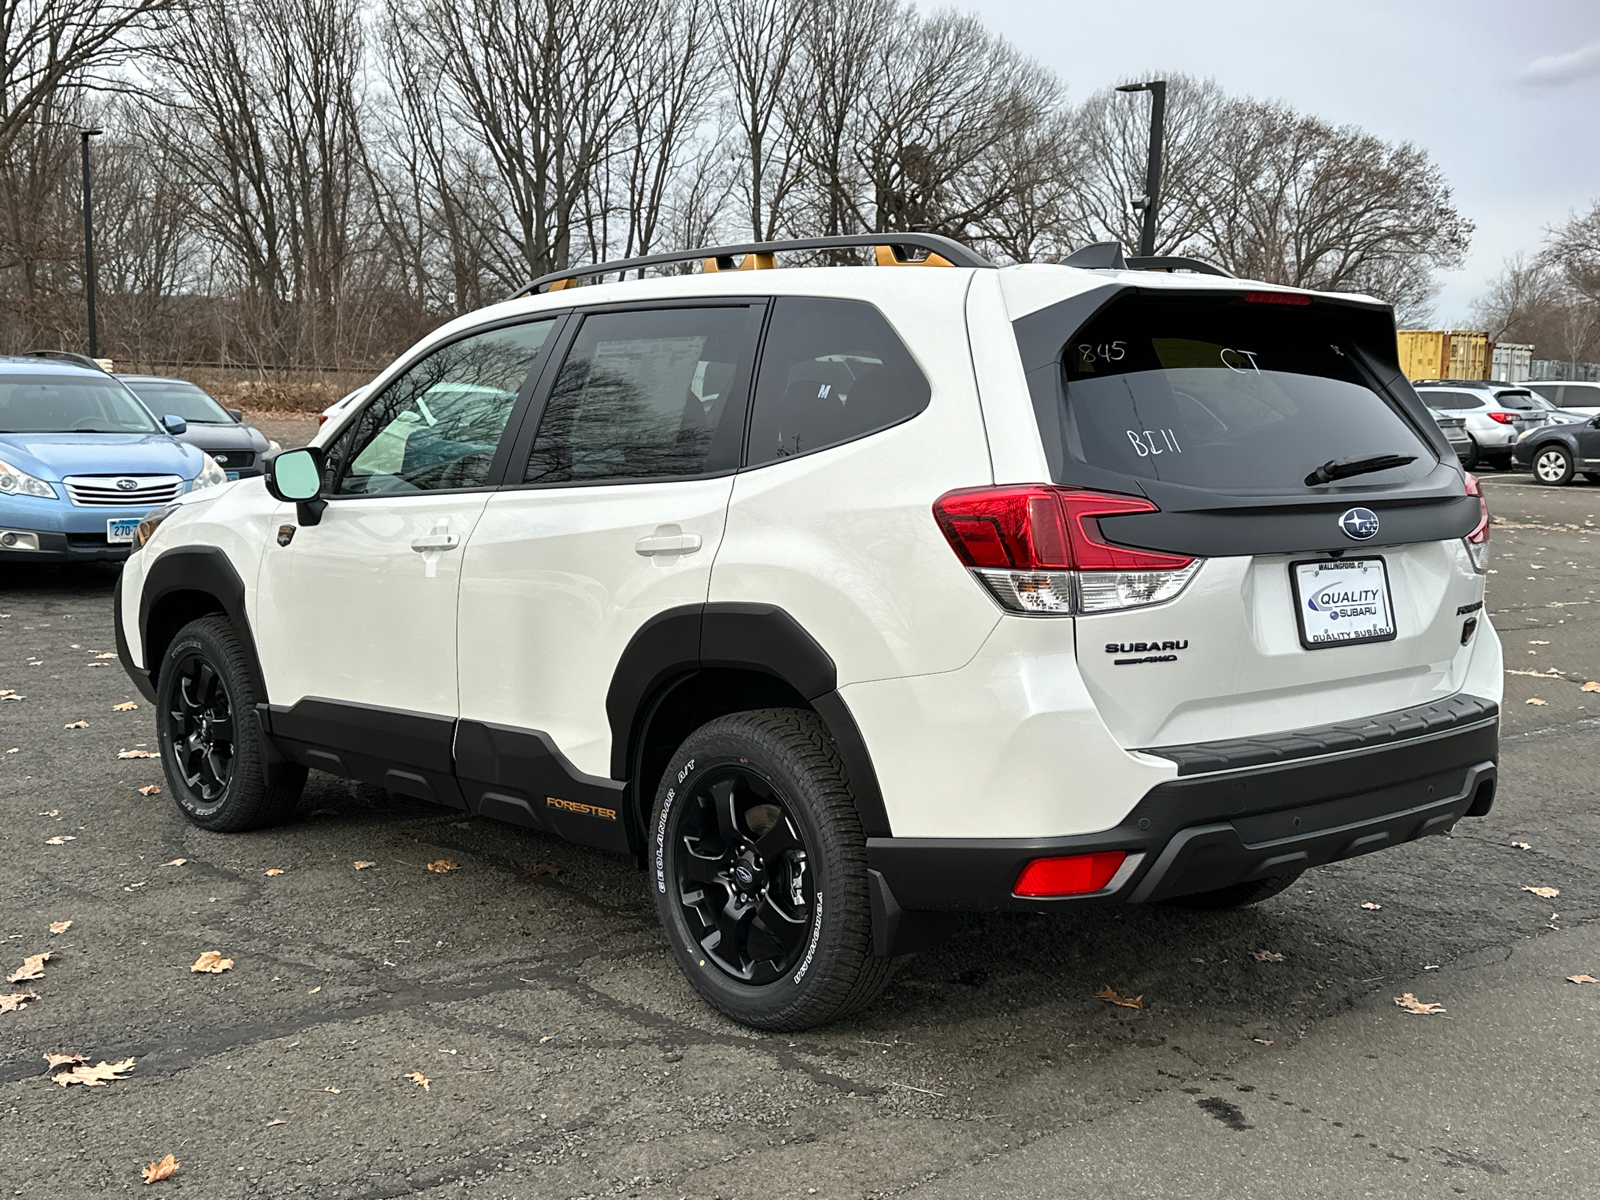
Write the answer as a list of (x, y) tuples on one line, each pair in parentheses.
[(1344, 468)]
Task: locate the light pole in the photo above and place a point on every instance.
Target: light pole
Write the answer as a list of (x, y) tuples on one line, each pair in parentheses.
[(88, 243), (1152, 176)]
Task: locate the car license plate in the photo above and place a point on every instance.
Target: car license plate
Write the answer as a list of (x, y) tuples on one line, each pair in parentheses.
[(121, 529), (1342, 602), (232, 475)]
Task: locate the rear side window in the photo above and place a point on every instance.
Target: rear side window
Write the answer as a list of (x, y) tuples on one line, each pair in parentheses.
[(1461, 401), (832, 371), (1521, 400), (651, 394), (1225, 395)]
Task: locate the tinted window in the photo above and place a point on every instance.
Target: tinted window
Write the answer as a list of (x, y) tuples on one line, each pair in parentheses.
[(172, 396), (650, 394), (1521, 399), (1225, 396), (832, 371), (436, 426), (69, 404), (1452, 400), (1550, 391)]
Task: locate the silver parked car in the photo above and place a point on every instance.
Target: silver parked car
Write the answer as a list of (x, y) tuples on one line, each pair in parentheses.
[(1455, 432), (1496, 414)]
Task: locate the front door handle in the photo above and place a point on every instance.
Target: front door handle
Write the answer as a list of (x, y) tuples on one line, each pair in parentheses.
[(432, 545), (663, 543)]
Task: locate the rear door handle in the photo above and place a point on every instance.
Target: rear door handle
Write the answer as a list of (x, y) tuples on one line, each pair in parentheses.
[(435, 541), (667, 543)]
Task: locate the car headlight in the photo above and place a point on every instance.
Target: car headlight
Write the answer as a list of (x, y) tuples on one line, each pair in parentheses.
[(151, 522), (19, 483), (210, 474), (272, 447)]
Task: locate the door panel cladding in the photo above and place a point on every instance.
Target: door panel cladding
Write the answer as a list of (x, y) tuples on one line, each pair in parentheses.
[(1241, 529), (759, 637), (186, 576), (519, 776), (406, 752)]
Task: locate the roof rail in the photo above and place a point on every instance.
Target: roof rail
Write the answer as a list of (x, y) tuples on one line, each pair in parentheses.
[(1107, 256), (77, 360), (951, 252)]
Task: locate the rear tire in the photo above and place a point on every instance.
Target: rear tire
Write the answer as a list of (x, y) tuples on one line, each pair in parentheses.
[(1553, 465), (211, 744), (1252, 891), (759, 868)]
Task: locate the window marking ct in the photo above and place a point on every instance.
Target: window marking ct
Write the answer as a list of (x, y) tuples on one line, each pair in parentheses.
[(1359, 524)]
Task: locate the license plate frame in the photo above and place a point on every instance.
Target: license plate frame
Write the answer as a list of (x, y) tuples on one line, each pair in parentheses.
[(120, 530), (1305, 584)]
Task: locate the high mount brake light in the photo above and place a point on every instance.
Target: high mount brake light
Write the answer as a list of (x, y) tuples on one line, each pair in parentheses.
[(1504, 418), (1276, 298), (1039, 549), (1477, 542)]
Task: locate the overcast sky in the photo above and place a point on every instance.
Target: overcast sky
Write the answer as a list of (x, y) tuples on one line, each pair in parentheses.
[(1505, 96)]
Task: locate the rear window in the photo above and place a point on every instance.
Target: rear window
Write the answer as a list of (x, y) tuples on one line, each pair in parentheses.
[(1521, 400), (1226, 396), (1456, 401)]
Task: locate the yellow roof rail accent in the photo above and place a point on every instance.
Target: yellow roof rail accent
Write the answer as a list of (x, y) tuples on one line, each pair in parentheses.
[(562, 285), (889, 256), (751, 262)]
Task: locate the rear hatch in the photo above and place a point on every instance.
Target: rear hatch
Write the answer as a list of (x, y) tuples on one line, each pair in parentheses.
[(1333, 586)]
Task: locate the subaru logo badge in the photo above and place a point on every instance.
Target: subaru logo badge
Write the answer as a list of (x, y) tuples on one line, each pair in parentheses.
[(744, 875), (1359, 524), (128, 485), (219, 459)]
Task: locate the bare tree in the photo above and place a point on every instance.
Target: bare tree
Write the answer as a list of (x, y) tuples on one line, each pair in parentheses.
[(758, 45)]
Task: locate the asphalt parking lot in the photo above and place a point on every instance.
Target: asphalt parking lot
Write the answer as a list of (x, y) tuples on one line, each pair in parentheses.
[(564, 1056)]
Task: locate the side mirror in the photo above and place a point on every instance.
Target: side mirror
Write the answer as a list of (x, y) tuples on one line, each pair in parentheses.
[(236, 413), (295, 476), (1594, 421), (174, 425)]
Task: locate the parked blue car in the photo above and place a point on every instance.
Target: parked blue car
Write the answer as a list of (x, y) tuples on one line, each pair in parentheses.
[(81, 461)]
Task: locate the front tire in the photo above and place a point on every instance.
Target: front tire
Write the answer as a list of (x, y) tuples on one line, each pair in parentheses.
[(759, 869), (211, 746), (1552, 465)]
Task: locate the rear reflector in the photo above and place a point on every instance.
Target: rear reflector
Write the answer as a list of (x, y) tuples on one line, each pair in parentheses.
[(1072, 875), (1276, 298), (1039, 549)]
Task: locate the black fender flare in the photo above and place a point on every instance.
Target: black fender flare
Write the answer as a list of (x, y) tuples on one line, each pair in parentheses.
[(203, 569), (756, 637)]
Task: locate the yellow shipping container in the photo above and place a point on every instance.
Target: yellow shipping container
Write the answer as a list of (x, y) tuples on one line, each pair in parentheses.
[(1444, 353)]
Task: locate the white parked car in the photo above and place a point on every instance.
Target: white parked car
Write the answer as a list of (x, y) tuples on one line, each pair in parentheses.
[(1573, 397), (846, 597)]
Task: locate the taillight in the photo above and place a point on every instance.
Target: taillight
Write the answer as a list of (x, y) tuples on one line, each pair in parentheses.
[(322, 419), (1070, 875), (1504, 418), (1039, 549), (1477, 542)]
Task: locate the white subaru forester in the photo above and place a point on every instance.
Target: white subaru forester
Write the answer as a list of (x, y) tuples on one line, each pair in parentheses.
[(846, 597)]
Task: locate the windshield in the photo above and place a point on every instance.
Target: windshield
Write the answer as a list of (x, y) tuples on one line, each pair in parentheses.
[(69, 404), (174, 397), (1228, 396)]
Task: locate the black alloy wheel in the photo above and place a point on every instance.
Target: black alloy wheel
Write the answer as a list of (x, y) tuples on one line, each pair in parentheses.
[(202, 727), (741, 876)]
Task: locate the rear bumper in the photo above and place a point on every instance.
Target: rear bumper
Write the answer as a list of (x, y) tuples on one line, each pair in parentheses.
[(1200, 832)]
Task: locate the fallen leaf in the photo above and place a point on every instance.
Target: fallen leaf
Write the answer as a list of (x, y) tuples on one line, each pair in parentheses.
[(1544, 893), (274, 1121), (274, 871), (32, 968), (1262, 1041), (95, 1076), (60, 926), (125, 706), (211, 963), (363, 864), (1532, 643), (1534, 700), (107, 654), (1110, 996), (8, 694), (1591, 686), (544, 869), (150, 789), (77, 725), (137, 754), (177, 862), (549, 1037), (334, 1090), (1371, 907), (157, 1171), (1522, 845), (421, 1080), (1582, 979), (16, 1001), (52, 1061), (1412, 1005), (1268, 956), (441, 865), (314, 990), (61, 839)]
